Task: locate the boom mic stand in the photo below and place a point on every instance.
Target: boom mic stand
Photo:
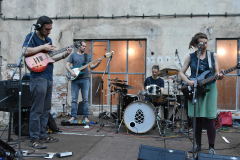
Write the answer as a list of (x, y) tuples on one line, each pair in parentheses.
[(101, 84), (194, 100), (18, 65)]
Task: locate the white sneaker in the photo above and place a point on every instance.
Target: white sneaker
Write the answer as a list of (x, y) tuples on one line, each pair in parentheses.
[(212, 151), (86, 119), (72, 119)]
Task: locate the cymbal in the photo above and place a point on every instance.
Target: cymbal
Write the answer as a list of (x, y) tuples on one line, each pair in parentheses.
[(117, 80), (168, 72), (123, 85)]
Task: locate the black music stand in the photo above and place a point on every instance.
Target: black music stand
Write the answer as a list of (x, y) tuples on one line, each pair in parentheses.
[(19, 153), (101, 84)]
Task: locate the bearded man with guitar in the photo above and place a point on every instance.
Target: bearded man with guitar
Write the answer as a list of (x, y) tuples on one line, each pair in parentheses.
[(80, 80), (206, 105), (41, 80)]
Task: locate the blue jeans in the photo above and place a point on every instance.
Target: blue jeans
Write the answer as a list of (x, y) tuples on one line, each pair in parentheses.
[(41, 94), (82, 84)]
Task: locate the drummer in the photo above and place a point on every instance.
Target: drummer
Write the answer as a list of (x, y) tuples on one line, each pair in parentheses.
[(154, 79)]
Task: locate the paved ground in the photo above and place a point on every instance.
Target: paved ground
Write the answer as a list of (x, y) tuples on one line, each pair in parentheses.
[(104, 144)]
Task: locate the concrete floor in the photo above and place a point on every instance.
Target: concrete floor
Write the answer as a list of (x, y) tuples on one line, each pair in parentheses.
[(97, 143)]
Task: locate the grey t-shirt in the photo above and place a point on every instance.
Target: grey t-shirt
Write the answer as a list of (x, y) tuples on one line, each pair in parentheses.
[(77, 59)]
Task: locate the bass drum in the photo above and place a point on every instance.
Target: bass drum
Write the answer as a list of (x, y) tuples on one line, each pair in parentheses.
[(139, 116)]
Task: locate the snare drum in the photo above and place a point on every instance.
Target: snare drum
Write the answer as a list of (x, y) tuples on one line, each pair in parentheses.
[(153, 90), (139, 116)]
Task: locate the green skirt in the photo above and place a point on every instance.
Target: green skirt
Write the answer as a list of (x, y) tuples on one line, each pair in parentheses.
[(206, 104)]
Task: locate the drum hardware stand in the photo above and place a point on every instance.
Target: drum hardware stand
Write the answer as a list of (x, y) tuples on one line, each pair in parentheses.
[(168, 98), (120, 99), (101, 84), (110, 113), (19, 153)]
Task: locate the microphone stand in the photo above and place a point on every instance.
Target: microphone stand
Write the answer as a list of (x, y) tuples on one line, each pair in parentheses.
[(19, 65), (194, 100), (101, 84), (182, 98)]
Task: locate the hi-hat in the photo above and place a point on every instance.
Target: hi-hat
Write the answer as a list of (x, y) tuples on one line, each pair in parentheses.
[(117, 80), (168, 72), (123, 85)]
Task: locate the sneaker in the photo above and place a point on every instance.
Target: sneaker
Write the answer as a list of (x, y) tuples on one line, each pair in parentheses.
[(86, 119), (212, 151), (72, 119), (49, 139), (37, 144), (196, 148)]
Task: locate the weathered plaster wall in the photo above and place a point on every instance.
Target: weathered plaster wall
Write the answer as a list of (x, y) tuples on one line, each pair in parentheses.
[(163, 35)]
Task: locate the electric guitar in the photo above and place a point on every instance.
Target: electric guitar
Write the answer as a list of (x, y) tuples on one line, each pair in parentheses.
[(78, 69), (39, 61), (188, 90)]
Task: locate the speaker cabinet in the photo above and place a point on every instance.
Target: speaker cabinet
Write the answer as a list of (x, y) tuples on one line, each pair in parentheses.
[(204, 156), (9, 89), (25, 115), (151, 153)]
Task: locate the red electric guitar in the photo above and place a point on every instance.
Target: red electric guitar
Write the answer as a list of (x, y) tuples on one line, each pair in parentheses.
[(39, 61)]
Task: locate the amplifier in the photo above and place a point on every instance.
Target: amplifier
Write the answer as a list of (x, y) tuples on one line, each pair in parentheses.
[(9, 94)]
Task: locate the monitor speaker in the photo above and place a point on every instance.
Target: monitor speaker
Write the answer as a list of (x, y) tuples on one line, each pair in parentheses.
[(204, 156), (150, 153)]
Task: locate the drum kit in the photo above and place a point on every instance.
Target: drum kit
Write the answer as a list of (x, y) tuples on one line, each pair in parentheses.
[(140, 115)]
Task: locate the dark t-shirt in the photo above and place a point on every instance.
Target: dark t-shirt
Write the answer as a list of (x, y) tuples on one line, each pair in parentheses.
[(77, 59), (150, 81), (36, 41)]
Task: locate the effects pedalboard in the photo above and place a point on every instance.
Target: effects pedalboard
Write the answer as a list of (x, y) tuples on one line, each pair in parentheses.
[(76, 123)]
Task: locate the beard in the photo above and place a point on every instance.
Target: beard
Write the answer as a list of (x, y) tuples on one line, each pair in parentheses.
[(40, 31)]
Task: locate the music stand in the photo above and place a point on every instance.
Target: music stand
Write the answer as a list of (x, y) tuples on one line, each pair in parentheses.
[(19, 65)]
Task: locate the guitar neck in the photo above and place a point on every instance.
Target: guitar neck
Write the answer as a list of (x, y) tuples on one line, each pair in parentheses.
[(215, 77), (53, 53), (85, 66)]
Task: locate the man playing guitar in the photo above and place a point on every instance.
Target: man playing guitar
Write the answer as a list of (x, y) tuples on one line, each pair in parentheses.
[(41, 84), (81, 82)]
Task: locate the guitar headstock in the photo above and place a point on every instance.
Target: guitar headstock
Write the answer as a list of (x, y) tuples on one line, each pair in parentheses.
[(109, 54), (77, 44), (238, 65)]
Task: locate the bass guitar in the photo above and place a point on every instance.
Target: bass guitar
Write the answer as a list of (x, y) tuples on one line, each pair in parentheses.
[(188, 90), (78, 69), (39, 61)]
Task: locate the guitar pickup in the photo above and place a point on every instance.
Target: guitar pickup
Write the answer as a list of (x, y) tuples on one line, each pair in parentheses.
[(40, 57)]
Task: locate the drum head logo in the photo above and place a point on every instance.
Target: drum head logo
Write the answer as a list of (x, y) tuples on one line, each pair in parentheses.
[(139, 116)]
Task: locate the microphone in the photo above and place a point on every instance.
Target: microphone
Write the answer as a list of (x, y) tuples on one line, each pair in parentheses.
[(37, 25), (200, 44)]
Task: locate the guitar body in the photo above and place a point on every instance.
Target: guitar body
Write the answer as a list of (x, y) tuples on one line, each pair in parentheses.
[(38, 62), (188, 91), (76, 71)]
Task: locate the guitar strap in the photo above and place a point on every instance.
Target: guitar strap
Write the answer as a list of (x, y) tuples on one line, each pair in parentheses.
[(85, 57), (209, 61)]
